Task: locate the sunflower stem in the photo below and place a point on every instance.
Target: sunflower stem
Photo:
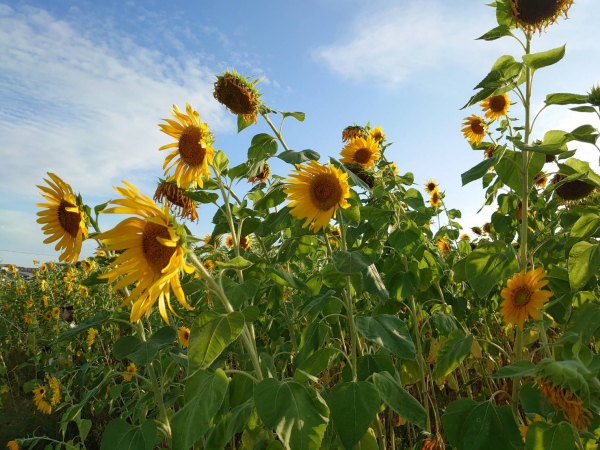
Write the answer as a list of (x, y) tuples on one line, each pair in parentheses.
[(277, 133)]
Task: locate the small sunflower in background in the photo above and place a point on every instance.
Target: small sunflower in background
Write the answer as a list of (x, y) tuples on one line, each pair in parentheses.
[(496, 107), (48, 316), (263, 176), (131, 369), (245, 242), (193, 148), (175, 197), (431, 186), (184, 336), (443, 244), (209, 264), (523, 297), (435, 199), (465, 236), (537, 15), (353, 132), (316, 192), (91, 337), (474, 129), (377, 134), (229, 241), (238, 94), (152, 248), (540, 180), (489, 152), (55, 312), (361, 151), (62, 218), (524, 428)]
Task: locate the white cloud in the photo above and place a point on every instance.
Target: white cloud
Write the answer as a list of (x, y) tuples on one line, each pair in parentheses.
[(86, 105)]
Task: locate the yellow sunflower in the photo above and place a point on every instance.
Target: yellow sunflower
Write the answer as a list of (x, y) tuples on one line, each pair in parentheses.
[(131, 369), (43, 268), (193, 150), (465, 236), (55, 312), (495, 107), (245, 242), (443, 244), (91, 337), (474, 129), (540, 180), (63, 220), (523, 297), (523, 428), (209, 264), (431, 186), (12, 269), (13, 445), (229, 241), (316, 192), (184, 336), (536, 15), (435, 199), (39, 398), (352, 132), (377, 134), (361, 151), (152, 253), (55, 386)]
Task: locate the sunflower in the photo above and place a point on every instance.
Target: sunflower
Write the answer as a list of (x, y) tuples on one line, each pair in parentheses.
[(593, 97), (361, 151), (474, 129), (489, 152), (131, 369), (572, 190), (176, 200), (245, 242), (63, 220), (394, 168), (477, 230), (487, 228), (100, 253), (43, 268), (431, 186), (209, 264), (152, 257), (495, 107), (316, 192), (523, 428), (435, 199), (91, 337), (519, 212), (567, 402), (465, 236), (262, 176), (12, 269), (48, 316), (353, 132), (55, 312), (39, 398), (443, 244), (184, 336), (193, 147), (13, 445), (536, 15), (229, 241), (377, 134), (238, 95), (55, 386), (523, 297), (540, 180)]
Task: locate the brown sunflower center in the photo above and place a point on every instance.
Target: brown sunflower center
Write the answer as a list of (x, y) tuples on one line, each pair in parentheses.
[(521, 297), (431, 187), (435, 197), (497, 103), (325, 191), (232, 93), (157, 255), (477, 126), (185, 334), (535, 12), (190, 149), (69, 221), (362, 156)]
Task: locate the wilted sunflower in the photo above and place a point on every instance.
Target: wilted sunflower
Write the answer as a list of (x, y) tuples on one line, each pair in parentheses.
[(536, 15), (262, 176), (91, 337), (193, 150), (63, 220), (131, 369), (353, 132), (431, 186), (153, 248), (489, 152), (474, 129), (361, 151), (238, 94), (377, 134), (177, 201), (566, 402), (572, 190), (523, 297), (540, 180), (316, 192), (435, 199), (184, 336), (487, 228), (495, 107), (477, 231)]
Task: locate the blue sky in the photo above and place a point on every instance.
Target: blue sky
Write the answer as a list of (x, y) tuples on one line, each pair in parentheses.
[(84, 84)]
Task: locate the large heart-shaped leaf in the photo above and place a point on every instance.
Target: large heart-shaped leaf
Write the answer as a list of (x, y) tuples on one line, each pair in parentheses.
[(399, 400), (388, 332), (120, 435), (452, 353)]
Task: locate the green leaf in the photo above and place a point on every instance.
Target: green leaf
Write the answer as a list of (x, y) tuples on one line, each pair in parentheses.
[(349, 263), (367, 365), (294, 157), (211, 333), (262, 146), (298, 414), (373, 284), (204, 394), (544, 59), (518, 369), (311, 340), (566, 99), (545, 436), (478, 171), (243, 123), (202, 196), (314, 364), (452, 353), (273, 197), (119, 435), (90, 322), (232, 423), (220, 161), (143, 352), (353, 407), (510, 166), (586, 320), (584, 262), (586, 226), (399, 400), (299, 116), (584, 109), (237, 263), (406, 239), (488, 265), (496, 33), (389, 332)]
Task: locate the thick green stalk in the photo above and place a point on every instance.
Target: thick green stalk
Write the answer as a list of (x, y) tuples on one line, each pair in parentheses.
[(420, 359)]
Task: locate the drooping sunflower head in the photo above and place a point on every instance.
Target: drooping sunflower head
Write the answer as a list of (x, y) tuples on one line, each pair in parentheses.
[(41, 401), (353, 132), (152, 250), (361, 151), (496, 107), (487, 228), (572, 190), (63, 218), (262, 176), (540, 180), (193, 148), (245, 242), (431, 186), (523, 297), (184, 336), (489, 152), (474, 129), (377, 134), (175, 198), (435, 199), (238, 94), (593, 97), (316, 192), (537, 15), (55, 387)]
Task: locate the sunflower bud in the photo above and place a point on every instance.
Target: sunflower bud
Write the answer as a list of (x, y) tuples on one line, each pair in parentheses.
[(594, 96)]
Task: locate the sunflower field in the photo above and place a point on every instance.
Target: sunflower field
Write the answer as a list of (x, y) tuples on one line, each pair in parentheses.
[(336, 306)]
